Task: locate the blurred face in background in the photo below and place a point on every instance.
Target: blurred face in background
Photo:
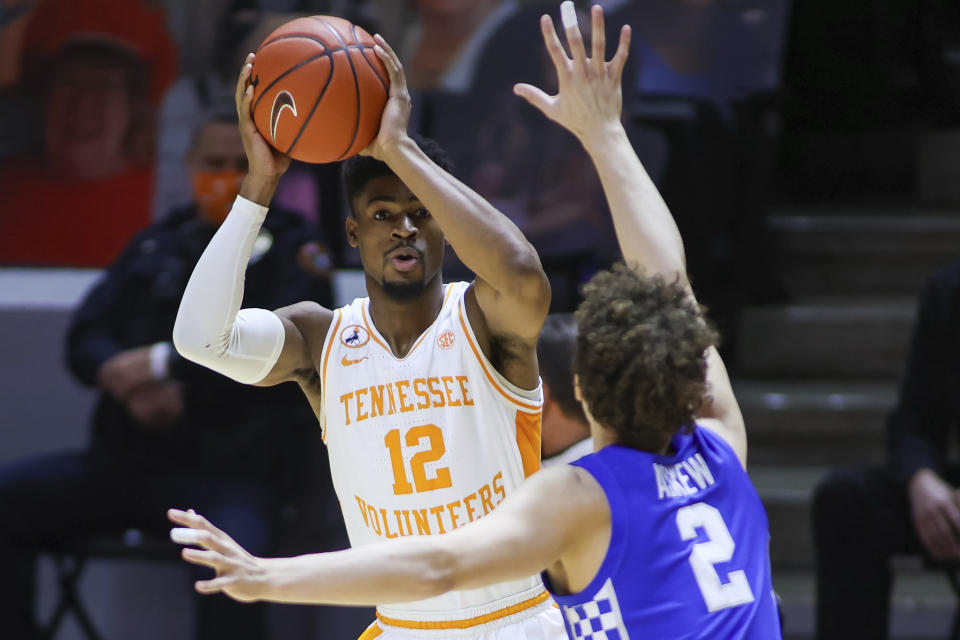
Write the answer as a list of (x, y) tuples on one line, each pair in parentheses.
[(87, 120), (217, 166)]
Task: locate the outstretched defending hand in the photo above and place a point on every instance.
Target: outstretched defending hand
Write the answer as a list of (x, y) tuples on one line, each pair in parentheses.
[(265, 161), (589, 99), (237, 571), (396, 113)]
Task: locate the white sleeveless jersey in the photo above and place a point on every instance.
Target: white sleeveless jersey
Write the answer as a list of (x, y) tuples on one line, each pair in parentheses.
[(423, 444)]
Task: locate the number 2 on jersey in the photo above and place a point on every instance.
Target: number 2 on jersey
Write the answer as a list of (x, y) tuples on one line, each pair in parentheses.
[(401, 485), (718, 548)]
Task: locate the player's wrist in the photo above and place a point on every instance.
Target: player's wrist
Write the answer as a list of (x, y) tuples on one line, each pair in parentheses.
[(259, 187), (601, 135), (264, 580), (394, 148)]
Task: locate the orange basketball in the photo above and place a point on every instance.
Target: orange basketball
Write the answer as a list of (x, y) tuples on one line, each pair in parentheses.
[(319, 89)]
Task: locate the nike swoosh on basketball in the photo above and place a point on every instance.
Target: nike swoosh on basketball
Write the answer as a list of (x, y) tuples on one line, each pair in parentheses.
[(346, 362), (283, 100)]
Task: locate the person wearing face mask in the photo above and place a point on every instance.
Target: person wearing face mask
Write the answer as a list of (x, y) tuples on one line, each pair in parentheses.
[(248, 444)]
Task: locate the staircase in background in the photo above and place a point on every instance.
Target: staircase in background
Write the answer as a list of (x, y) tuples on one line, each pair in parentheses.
[(818, 375)]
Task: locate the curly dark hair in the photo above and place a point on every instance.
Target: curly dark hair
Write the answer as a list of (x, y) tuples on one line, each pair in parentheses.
[(357, 171), (641, 356)]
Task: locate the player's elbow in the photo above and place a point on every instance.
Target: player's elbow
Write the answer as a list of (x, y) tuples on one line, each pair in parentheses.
[(187, 342), (525, 263), (529, 282), (440, 573), (193, 345), (183, 341)]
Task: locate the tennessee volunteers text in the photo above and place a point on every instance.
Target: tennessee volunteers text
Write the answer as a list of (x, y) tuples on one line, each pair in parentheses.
[(404, 396)]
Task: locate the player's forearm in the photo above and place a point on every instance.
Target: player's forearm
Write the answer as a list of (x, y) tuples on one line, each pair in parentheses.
[(207, 330), (398, 571), (646, 231), (214, 292), (485, 240)]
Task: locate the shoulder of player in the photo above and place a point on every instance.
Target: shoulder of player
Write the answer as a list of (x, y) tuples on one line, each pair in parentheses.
[(582, 486), (582, 496)]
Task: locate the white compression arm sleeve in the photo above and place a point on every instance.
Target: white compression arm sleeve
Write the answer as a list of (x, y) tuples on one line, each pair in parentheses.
[(210, 329)]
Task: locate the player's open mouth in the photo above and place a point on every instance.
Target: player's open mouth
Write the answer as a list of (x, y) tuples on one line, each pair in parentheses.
[(404, 260)]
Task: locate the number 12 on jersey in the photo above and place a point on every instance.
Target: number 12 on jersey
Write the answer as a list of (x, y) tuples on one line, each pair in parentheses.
[(401, 484)]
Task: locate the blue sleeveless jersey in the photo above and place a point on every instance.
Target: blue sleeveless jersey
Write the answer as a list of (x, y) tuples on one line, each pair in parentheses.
[(689, 548)]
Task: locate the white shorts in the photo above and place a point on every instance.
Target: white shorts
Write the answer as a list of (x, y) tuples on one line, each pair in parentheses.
[(542, 622)]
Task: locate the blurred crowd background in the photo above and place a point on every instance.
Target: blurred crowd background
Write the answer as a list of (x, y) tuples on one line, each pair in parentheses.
[(727, 102), (808, 151), (99, 100)]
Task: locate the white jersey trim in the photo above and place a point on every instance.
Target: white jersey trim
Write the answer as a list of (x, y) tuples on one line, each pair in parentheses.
[(327, 348), (380, 340), (479, 615)]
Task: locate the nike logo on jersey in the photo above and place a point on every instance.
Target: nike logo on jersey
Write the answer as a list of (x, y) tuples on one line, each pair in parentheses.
[(346, 362), (283, 100)]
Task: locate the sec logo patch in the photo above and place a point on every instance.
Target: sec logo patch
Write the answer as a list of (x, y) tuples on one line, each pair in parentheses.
[(354, 336), (446, 339)]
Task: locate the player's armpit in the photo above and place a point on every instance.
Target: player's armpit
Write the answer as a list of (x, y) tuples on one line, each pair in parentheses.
[(305, 326), (507, 329), (545, 520)]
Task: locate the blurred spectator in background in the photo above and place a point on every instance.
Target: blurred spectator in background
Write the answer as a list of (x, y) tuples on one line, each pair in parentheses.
[(450, 43), (238, 29), (166, 431), (139, 25), (565, 433), (96, 68), (864, 516)]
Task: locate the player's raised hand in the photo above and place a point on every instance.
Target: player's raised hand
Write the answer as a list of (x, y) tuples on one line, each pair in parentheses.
[(396, 113), (589, 99), (264, 161), (238, 572)]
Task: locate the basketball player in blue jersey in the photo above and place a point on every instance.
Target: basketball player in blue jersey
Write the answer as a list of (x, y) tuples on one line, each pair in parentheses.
[(659, 533)]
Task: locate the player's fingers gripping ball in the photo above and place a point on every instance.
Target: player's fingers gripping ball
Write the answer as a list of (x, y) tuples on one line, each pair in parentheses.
[(319, 89)]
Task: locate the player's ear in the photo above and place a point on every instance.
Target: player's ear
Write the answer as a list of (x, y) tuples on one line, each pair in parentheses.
[(352, 237)]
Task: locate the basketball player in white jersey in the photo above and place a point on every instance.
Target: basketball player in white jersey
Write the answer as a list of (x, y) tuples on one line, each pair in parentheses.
[(427, 393), (659, 533)]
